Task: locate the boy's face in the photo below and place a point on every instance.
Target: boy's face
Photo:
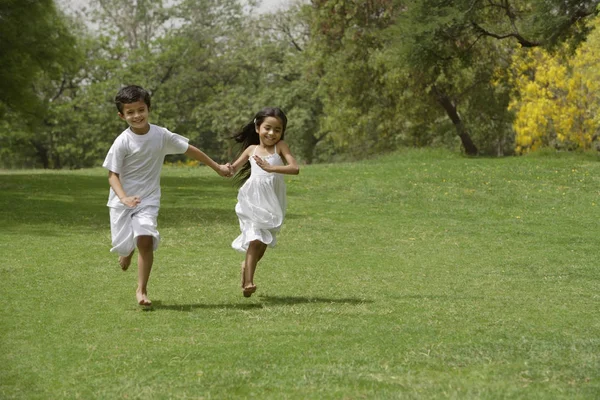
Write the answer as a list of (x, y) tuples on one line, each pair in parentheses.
[(136, 115)]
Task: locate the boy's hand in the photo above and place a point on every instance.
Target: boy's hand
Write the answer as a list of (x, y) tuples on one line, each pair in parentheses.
[(131, 201), (224, 170)]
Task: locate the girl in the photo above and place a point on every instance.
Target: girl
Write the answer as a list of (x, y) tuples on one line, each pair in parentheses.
[(261, 200)]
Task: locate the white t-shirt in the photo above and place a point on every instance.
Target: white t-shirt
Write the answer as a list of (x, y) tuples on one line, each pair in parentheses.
[(138, 159)]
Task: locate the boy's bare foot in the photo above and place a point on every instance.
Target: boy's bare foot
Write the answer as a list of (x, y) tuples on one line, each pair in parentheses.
[(125, 261), (248, 290), (142, 299)]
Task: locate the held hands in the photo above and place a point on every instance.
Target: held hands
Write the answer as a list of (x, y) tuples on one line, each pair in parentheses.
[(226, 170), (131, 201)]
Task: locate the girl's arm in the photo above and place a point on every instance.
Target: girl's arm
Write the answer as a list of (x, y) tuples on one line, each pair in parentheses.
[(242, 159), (290, 169), (115, 183), (199, 155)]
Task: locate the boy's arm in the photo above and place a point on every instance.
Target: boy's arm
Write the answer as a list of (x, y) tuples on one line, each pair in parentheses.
[(115, 183), (199, 155)]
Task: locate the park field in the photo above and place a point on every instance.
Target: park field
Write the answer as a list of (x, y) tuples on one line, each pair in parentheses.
[(417, 275)]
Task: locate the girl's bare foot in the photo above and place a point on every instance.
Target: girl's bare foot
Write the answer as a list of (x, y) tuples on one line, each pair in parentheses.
[(248, 290), (142, 298), (125, 261)]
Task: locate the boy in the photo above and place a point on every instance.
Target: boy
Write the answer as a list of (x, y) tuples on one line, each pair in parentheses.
[(134, 163)]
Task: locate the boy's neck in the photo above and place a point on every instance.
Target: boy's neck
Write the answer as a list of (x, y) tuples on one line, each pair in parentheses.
[(140, 131)]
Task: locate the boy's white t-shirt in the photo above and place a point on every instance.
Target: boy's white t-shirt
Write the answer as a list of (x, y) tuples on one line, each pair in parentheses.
[(138, 159)]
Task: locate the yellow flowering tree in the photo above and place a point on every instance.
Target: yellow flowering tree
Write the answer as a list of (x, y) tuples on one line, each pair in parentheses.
[(556, 99)]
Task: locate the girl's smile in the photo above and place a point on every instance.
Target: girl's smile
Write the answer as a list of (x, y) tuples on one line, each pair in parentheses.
[(270, 131)]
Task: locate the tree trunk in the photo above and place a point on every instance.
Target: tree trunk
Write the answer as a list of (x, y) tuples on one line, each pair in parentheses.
[(461, 129), (56, 162), (310, 153), (42, 154)]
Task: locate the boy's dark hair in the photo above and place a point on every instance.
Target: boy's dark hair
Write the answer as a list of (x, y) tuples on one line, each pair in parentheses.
[(131, 94), (248, 136)]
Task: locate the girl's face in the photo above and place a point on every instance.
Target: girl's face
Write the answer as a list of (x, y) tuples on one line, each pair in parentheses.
[(270, 131)]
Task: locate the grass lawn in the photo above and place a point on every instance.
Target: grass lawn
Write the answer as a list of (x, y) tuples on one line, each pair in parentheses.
[(418, 275)]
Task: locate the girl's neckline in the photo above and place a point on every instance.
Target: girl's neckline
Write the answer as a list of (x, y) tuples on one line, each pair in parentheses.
[(268, 154)]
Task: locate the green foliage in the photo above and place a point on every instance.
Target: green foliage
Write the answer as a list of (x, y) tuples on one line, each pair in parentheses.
[(356, 78), (76, 122), (34, 39), (357, 116), (450, 55)]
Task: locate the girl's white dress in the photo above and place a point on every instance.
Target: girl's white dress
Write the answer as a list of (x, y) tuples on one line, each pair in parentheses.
[(261, 204)]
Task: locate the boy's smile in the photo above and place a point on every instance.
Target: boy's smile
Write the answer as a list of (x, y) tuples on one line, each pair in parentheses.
[(136, 116)]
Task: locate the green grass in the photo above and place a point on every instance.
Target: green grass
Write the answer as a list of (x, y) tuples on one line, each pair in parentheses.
[(418, 275)]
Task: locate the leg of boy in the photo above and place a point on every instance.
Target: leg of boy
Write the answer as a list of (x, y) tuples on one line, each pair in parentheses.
[(125, 261), (144, 222), (145, 261), (122, 235)]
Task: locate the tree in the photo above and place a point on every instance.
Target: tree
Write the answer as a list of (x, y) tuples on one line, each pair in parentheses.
[(446, 47), (75, 118), (33, 40), (72, 126), (134, 23), (285, 37), (556, 100), (230, 64), (356, 118)]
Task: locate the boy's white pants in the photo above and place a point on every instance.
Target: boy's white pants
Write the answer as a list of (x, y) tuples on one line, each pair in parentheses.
[(126, 224)]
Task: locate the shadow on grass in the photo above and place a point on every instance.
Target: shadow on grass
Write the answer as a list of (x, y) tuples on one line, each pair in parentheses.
[(67, 199), (289, 300), (437, 297), (265, 300), (158, 305)]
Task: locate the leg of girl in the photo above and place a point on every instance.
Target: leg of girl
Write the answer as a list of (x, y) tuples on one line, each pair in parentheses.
[(256, 250)]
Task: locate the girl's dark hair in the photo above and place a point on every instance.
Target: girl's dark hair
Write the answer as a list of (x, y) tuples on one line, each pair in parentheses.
[(247, 136), (131, 94)]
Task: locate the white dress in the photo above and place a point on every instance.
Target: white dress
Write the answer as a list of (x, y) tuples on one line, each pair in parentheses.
[(261, 204)]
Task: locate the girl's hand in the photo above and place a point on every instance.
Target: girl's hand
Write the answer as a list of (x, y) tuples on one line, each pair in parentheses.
[(231, 170), (224, 170), (262, 163), (131, 201)]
